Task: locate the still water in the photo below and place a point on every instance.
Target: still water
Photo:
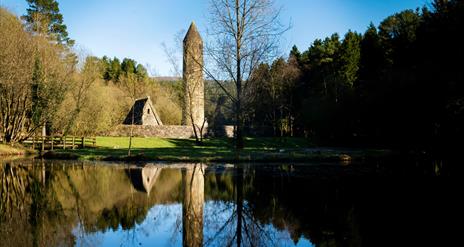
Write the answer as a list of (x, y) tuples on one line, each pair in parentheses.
[(57, 203)]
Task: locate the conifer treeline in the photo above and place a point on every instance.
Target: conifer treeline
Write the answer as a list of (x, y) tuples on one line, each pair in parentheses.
[(399, 84)]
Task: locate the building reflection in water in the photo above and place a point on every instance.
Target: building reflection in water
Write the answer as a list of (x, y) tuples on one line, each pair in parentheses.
[(150, 174)]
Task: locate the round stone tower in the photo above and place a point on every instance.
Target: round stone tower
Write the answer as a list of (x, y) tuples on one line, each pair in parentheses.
[(193, 83)]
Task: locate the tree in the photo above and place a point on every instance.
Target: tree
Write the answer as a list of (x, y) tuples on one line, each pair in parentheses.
[(133, 87), (349, 57), (398, 34), (258, 98), (141, 71), (37, 85), (106, 64), (372, 55), (320, 60), (128, 66), (43, 17), (295, 54), (113, 71), (244, 33), (34, 76), (80, 90), (270, 94), (321, 86)]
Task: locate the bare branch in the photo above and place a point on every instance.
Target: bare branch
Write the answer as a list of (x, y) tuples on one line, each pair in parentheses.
[(243, 34)]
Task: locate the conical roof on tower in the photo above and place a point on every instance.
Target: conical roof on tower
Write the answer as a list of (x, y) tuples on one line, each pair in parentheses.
[(193, 34)]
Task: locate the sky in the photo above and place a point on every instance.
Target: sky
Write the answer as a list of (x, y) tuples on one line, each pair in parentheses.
[(137, 28)]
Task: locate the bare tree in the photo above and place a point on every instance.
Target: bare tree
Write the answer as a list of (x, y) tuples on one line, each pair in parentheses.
[(174, 53), (241, 227), (243, 33), (84, 80), (134, 87)]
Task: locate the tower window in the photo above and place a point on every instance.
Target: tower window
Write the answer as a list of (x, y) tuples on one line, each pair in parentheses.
[(148, 111)]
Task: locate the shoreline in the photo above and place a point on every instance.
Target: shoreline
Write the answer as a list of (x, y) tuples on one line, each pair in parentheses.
[(10, 151), (231, 156), (258, 150)]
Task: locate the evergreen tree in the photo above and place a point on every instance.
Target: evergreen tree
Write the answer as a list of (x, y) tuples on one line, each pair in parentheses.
[(295, 53), (128, 66), (372, 55), (349, 57), (106, 65), (398, 34), (141, 72), (44, 17), (114, 70)]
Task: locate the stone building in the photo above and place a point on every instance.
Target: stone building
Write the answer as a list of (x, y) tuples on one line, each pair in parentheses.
[(144, 113), (193, 105), (193, 83)]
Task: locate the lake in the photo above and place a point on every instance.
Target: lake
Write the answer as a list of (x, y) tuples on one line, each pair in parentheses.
[(64, 203)]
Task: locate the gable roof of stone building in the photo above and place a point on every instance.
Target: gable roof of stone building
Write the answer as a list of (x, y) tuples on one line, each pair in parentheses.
[(138, 109), (150, 174)]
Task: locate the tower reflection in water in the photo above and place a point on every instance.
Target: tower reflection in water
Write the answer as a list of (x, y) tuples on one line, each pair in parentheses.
[(193, 187), (192, 196)]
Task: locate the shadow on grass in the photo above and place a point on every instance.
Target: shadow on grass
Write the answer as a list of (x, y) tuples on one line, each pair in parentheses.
[(207, 143), (250, 143), (217, 149)]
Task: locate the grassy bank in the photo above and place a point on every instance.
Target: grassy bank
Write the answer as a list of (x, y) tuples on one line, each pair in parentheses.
[(219, 150), (7, 150)]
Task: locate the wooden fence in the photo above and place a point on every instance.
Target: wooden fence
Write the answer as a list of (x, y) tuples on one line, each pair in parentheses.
[(59, 142)]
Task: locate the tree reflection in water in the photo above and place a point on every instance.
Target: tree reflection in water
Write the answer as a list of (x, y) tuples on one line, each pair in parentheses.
[(239, 226), (107, 204)]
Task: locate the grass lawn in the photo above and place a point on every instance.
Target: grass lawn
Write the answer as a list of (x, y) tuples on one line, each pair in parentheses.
[(225, 143), (218, 149)]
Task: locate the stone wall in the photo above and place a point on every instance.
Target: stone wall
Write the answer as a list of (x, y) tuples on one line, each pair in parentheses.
[(163, 131), (168, 131), (221, 131)]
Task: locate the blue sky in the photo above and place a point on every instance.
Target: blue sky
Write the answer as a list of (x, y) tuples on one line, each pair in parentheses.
[(136, 28)]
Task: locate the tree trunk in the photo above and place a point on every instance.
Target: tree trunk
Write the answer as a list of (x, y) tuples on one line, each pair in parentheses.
[(131, 130), (239, 144), (239, 203), (194, 126), (201, 130), (238, 116)]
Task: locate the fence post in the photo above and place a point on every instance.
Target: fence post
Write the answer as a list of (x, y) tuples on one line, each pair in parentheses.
[(64, 143), (94, 142), (73, 142), (33, 141), (52, 141), (83, 142), (43, 143)]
